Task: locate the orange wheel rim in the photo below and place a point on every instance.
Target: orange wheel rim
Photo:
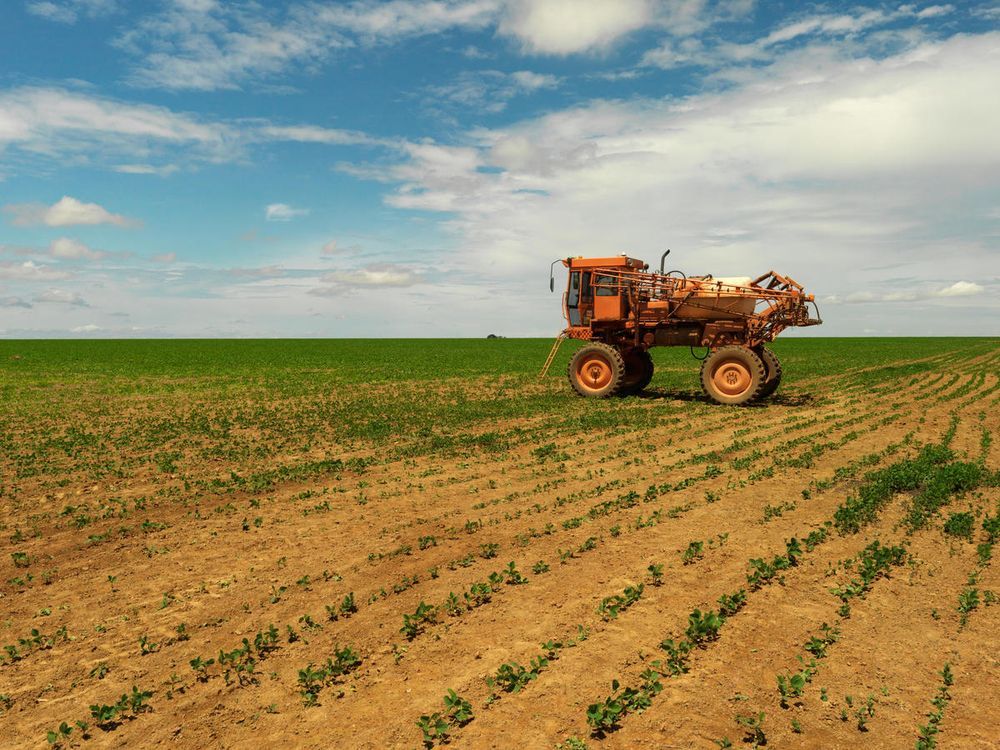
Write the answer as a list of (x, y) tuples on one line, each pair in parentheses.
[(732, 377), (594, 373)]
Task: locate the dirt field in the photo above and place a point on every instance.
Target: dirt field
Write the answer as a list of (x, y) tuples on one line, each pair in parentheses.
[(280, 553)]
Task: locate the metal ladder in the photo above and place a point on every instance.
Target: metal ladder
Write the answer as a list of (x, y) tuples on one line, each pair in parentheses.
[(552, 354)]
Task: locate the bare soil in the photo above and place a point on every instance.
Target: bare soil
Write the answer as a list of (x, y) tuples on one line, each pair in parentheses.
[(167, 553)]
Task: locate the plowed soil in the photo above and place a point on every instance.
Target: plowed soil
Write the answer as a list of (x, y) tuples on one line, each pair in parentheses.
[(145, 527)]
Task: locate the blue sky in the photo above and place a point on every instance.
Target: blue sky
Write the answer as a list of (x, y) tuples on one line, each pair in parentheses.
[(411, 167)]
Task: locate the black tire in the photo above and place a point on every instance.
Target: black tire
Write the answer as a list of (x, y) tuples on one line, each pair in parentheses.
[(773, 377), (733, 375), (638, 372), (596, 371)]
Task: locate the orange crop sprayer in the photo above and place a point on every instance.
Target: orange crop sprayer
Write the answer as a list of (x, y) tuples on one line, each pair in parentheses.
[(622, 310)]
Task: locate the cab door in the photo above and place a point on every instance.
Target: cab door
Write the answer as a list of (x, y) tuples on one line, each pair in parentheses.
[(573, 299), (579, 299), (608, 302)]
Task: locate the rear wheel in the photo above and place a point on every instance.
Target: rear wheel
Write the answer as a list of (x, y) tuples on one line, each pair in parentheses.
[(638, 371), (773, 367), (596, 371), (733, 375)]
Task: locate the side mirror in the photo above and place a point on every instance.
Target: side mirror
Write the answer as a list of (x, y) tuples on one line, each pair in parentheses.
[(552, 275), (552, 283)]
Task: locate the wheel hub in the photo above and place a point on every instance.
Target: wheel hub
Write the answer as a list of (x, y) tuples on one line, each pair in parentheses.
[(595, 373), (732, 377)]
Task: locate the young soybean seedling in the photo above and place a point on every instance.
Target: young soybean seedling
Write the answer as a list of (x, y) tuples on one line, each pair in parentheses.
[(146, 646), (655, 574), (514, 577), (200, 666), (695, 551), (62, 733), (458, 709), (754, 728), (434, 728), (137, 700)]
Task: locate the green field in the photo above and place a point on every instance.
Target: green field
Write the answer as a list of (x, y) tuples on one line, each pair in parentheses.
[(242, 537)]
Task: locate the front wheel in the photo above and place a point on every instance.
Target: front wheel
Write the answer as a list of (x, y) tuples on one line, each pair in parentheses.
[(596, 371), (733, 375)]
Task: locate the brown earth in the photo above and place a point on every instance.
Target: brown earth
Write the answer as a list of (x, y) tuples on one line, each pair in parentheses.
[(203, 563)]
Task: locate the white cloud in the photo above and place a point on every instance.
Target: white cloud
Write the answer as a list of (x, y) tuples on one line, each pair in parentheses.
[(331, 248), (488, 90), (380, 21), (72, 127), (315, 134), (62, 297), (933, 11), (164, 258), (960, 289), (563, 27), (67, 211), (209, 46), (88, 328), (69, 11), (373, 275), (70, 249), (855, 28), (283, 212), (161, 171), (265, 272), (818, 166), (31, 271)]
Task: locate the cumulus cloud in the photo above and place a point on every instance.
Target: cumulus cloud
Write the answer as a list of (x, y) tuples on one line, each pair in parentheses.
[(88, 328), (563, 27), (62, 297), (70, 249), (961, 289), (283, 212), (67, 211), (372, 275)]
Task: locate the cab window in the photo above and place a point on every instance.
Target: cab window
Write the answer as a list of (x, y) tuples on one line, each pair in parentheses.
[(607, 286)]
